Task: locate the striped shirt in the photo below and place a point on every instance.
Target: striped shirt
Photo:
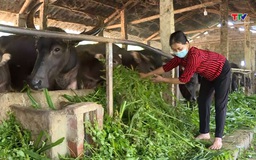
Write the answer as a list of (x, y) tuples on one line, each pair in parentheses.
[(206, 63)]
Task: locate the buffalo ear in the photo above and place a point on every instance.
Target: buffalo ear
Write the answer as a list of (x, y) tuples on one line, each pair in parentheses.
[(99, 56)]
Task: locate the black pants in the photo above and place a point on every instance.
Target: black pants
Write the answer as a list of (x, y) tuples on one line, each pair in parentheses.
[(221, 87)]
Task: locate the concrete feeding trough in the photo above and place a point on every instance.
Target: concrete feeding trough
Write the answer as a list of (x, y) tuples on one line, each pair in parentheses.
[(66, 121)]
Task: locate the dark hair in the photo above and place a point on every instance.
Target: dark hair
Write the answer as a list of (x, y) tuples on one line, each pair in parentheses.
[(178, 37)]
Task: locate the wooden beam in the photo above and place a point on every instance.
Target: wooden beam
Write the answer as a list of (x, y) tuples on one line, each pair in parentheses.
[(52, 1), (207, 4), (103, 4), (214, 11), (177, 21), (116, 13), (201, 30), (72, 10), (123, 27), (21, 17), (184, 17), (113, 26), (215, 42), (25, 6), (146, 19), (152, 36), (42, 14), (247, 45), (224, 41), (175, 12), (194, 31)]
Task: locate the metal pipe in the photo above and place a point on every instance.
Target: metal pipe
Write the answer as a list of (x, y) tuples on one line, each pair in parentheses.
[(53, 34)]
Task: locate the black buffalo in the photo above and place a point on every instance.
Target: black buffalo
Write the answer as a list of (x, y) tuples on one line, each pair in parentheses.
[(92, 69), (56, 65), (189, 90), (23, 55), (238, 79)]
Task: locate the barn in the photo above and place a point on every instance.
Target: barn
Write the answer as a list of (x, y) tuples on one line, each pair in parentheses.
[(60, 69)]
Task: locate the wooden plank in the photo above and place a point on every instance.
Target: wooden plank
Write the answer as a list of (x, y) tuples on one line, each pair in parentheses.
[(109, 77)]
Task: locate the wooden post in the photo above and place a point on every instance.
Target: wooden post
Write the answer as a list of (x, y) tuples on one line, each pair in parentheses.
[(21, 20), (42, 14), (21, 17), (224, 42), (248, 57), (109, 77), (247, 44), (166, 28), (123, 27)]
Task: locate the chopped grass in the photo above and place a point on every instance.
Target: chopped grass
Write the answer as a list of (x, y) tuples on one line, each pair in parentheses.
[(146, 126)]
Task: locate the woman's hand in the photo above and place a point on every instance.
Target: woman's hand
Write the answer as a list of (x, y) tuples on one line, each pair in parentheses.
[(143, 75), (157, 78)]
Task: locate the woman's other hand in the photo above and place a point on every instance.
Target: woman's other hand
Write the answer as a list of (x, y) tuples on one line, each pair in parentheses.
[(157, 78)]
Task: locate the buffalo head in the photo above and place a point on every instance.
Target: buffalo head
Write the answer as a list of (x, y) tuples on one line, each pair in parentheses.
[(56, 64)]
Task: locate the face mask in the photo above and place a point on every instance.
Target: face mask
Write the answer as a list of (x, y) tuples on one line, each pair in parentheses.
[(182, 53)]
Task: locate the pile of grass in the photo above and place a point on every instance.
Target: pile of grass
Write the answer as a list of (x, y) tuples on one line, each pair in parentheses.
[(16, 143), (146, 126)]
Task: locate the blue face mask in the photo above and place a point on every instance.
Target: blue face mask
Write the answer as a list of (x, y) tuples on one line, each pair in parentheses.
[(182, 54)]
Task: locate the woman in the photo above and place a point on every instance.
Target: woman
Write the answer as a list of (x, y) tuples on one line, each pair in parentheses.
[(215, 71)]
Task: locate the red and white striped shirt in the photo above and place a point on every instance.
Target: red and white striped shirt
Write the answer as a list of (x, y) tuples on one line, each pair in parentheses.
[(206, 63)]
